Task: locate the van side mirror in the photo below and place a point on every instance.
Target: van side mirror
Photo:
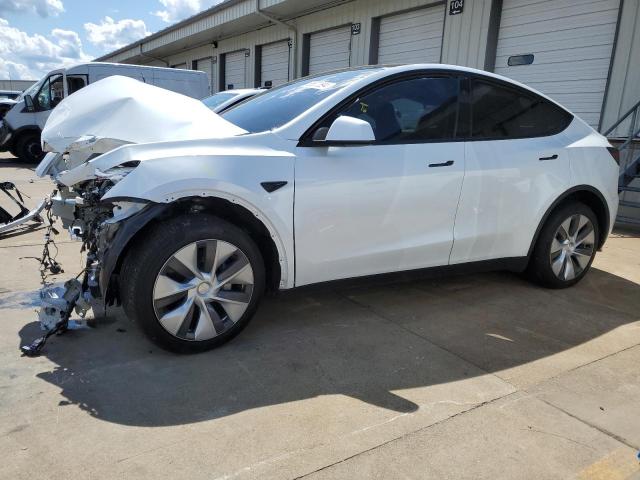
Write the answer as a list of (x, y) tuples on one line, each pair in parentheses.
[(28, 101), (347, 130)]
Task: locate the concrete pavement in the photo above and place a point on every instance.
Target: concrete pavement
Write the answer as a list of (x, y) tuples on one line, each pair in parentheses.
[(482, 376)]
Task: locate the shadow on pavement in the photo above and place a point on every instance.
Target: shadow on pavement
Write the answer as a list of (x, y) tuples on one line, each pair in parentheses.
[(364, 342)]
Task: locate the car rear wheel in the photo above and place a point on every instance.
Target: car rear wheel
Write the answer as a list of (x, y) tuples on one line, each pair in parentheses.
[(566, 247), (28, 148), (193, 283)]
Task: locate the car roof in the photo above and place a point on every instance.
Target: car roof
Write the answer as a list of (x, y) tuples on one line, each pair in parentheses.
[(400, 68), (239, 91)]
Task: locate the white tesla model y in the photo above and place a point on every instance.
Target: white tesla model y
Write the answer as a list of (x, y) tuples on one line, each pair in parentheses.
[(189, 216)]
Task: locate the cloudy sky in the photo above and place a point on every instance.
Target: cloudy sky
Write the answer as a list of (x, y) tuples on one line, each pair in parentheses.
[(39, 35)]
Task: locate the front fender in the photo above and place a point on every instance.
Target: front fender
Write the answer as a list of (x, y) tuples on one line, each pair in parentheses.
[(236, 179), (115, 238)]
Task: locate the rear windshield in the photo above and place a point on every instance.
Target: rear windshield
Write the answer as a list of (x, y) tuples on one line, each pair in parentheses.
[(280, 105)]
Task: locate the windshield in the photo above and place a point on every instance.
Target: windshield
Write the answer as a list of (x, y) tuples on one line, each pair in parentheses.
[(218, 99), (276, 107), (33, 88)]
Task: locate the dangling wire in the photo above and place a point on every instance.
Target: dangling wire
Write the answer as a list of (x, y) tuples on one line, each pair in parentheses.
[(48, 264)]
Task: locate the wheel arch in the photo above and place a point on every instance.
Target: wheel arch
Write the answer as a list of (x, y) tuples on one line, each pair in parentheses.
[(588, 195), (19, 132), (232, 212)]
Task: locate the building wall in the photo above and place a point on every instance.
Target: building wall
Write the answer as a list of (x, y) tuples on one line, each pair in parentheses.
[(464, 42), (624, 82), (466, 35), (468, 39), (16, 84)]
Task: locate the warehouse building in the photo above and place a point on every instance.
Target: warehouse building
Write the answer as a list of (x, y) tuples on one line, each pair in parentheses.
[(584, 53), (15, 84)]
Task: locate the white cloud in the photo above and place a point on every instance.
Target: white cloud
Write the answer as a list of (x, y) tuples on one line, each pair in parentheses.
[(111, 35), (31, 56), (44, 8), (175, 10)]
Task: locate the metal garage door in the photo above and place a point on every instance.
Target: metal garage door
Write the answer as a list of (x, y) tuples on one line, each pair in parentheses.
[(571, 42), (206, 65), (412, 37), (330, 50), (274, 63), (235, 70)]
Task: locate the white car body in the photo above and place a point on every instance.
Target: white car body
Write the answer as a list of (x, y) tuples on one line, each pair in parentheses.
[(346, 210), (222, 101)]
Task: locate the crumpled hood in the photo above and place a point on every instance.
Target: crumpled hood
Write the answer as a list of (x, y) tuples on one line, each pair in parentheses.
[(119, 110), (261, 145)]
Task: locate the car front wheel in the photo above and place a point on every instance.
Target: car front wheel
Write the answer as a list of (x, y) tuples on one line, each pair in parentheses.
[(193, 282), (566, 247), (28, 148)]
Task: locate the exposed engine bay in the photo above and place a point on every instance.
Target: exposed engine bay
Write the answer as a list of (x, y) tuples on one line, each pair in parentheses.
[(87, 136)]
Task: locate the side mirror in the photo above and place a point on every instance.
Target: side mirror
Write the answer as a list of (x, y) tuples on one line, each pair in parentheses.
[(28, 101), (349, 130)]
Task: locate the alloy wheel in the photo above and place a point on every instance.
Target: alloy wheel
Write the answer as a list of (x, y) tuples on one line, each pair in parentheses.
[(203, 289), (572, 247)]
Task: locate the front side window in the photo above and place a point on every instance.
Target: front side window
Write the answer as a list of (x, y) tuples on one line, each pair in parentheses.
[(506, 113), (413, 110), (50, 94)]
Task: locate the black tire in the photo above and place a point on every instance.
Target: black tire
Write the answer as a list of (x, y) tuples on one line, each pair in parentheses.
[(28, 149), (540, 268), (145, 260)]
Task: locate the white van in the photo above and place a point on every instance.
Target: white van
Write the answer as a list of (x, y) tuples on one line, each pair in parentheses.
[(22, 124)]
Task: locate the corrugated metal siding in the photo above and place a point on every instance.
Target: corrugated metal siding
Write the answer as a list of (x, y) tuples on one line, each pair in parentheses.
[(465, 35), (275, 63), (412, 37), (624, 84), (330, 50), (572, 41), (218, 18)]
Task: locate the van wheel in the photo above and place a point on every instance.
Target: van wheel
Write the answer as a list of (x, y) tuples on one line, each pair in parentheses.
[(193, 283), (28, 148), (565, 248)]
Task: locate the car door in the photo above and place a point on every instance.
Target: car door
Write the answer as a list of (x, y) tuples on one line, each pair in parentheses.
[(516, 166), (50, 94), (388, 205)]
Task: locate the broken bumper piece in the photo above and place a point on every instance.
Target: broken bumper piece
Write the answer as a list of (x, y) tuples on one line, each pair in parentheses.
[(57, 303)]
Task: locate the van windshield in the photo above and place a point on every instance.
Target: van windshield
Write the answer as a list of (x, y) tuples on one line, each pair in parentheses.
[(33, 88), (280, 105)]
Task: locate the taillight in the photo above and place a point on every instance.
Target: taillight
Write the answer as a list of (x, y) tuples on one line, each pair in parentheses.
[(615, 153)]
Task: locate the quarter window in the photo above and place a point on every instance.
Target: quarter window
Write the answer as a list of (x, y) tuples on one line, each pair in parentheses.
[(504, 113), (415, 110)]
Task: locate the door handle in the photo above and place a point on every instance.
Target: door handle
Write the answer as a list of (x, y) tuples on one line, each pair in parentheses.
[(552, 157), (443, 164)]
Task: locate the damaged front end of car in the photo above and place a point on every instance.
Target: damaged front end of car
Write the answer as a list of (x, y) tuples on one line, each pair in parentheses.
[(89, 139), (93, 222)]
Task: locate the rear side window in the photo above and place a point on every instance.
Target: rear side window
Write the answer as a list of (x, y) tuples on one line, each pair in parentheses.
[(506, 113)]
